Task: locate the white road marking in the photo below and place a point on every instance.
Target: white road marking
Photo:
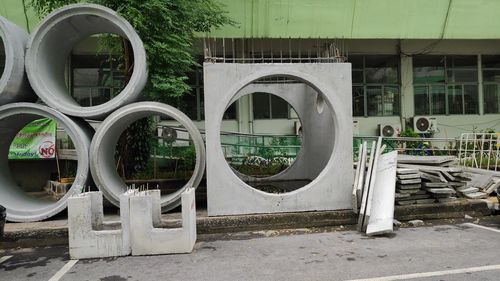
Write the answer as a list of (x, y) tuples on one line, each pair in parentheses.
[(433, 273), (4, 258), (482, 227), (63, 270)]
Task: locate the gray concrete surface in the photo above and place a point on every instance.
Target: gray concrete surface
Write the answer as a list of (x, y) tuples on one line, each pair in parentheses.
[(227, 193), (55, 37), (102, 154), (22, 207), (14, 86), (288, 255)]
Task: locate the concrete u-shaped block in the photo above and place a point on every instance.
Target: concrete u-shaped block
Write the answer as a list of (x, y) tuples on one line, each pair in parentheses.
[(146, 239), (88, 234)]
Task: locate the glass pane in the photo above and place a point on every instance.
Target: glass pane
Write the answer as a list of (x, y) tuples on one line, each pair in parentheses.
[(421, 100), (461, 62), (230, 112), (491, 75), (100, 96), (381, 69), (279, 107), (188, 103), (86, 77), (471, 99), (374, 96), (82, 95), (391, 100), (261, 106), (358, 101), (356, 62), (438, 99), (428, 69), (455, 104), (490, 61), (491, 99), (357, 76), (462, 76)]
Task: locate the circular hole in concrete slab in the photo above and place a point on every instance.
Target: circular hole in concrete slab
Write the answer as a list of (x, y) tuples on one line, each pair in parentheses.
[(270, 132)]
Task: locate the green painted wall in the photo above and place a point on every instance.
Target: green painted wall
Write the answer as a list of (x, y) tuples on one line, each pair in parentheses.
[(13, 11), (376, 19), (405, 19)]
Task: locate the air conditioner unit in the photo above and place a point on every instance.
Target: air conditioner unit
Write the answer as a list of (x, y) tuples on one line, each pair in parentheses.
[(424, 124), (355, 127), (297, 128), (175, 136), (389, 130)]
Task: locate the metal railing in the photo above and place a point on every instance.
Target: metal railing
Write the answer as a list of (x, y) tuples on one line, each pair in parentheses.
[(479, 150)]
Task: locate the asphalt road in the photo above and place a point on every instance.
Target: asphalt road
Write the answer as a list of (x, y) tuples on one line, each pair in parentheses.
[(443, 252)]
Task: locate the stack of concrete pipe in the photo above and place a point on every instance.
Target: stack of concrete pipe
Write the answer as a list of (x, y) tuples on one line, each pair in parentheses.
[(35, 68)]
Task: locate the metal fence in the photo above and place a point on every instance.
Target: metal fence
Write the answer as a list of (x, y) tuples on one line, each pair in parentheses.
[(479, 150)]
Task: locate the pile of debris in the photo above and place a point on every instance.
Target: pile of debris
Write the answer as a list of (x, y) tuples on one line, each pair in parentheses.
[(442, 180)]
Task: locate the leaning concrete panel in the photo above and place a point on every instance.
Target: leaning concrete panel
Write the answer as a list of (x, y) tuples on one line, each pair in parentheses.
[(146, 239), (330, 190), (52, 42), (102, 152), (20, 206), (14, 86)]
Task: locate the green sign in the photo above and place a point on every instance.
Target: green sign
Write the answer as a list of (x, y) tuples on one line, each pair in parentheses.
[(37, 140)]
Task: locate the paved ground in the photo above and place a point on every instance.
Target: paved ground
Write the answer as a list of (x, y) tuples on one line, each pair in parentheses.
[(443, 252)]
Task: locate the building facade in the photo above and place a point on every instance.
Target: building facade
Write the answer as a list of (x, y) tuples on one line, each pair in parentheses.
[(435, 58)]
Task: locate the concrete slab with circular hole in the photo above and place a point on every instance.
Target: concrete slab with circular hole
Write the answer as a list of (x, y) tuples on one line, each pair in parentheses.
[(227, 193)]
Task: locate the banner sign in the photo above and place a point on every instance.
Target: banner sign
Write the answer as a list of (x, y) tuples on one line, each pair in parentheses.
[(37, 140)]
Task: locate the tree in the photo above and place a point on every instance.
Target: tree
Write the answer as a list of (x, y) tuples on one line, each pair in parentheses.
[(167, 29)]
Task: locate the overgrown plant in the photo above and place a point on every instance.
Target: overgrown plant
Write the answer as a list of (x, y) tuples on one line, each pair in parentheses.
[(168, 29)]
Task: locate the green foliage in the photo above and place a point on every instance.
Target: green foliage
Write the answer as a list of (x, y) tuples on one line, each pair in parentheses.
[(167, 29)]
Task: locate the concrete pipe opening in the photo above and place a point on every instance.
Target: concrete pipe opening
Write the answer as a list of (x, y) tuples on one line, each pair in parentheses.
[(14, 86), (104, 159), (278, 145), (21, 206), (54, 39)]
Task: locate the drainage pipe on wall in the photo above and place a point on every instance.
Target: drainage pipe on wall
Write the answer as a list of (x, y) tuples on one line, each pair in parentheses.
[(51, 44), (22, 207), (102, 150), (14, 86)]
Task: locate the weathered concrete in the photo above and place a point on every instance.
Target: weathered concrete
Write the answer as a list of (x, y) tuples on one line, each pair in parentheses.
[(87, 236), (102, 152), (14, 86), (147, 239), (330, 190), (51, 43), (20, 206)]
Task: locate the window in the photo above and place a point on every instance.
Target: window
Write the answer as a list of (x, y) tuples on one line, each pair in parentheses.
[(375, 85), (95, 79), (491, 83), (192, 104), (445, 85), (267, 106)]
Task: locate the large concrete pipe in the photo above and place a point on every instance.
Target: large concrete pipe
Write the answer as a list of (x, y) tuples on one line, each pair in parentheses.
[(22, 207), (14, 86), (52, 42), (102, 150)]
